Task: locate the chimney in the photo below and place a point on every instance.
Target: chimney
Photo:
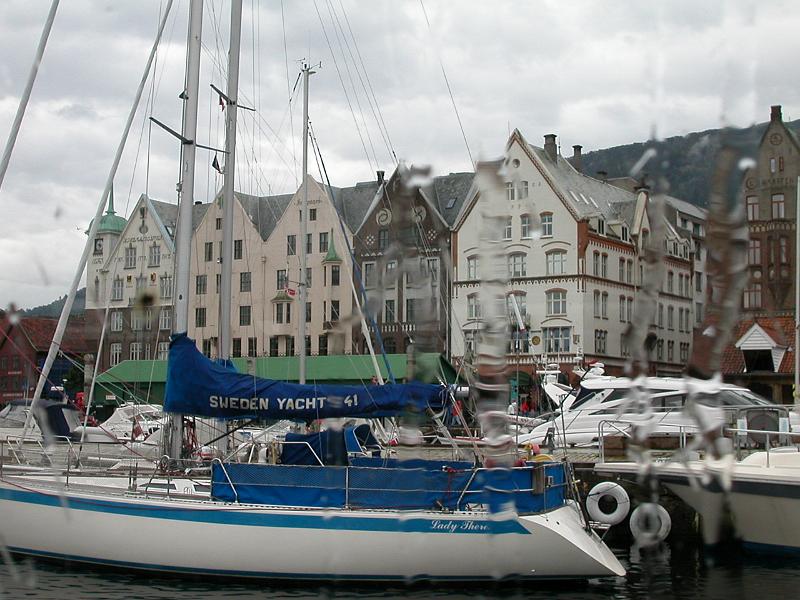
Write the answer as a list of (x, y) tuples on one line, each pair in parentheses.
[(380, 177), (603, 176), (550, 146), (577, 157), (775, 113)]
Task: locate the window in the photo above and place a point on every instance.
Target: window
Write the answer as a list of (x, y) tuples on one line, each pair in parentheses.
[(208, 251), (136, 320), (281, 279), (624, 349), (410, 310), (670, 317), (597, 304), (116, 321), (322, 342), (237, 249), (312, 214), (237, 347), (670, 351), (165, 318), (624, 233), (115, 352), (784, 249), (778, 206), (309, 279), (141, 282), (165, 286), (369, 274), (207, 347), (245, 281), (623, 313), (200, 317), (660, 317), (273, 345), (252, 346), (752, 295), (308, 312), (753, 252), (472, 267), (163, 351), (136, 350), (148, 319), (389, 312), (556, 262), (510, 192), (334, 274), (629, 272), (604, 266), (698, 312), (525, 227), (752, 208), (596, 263), (473, 307), (556, 303), (521, 301), (773, 165), (604, 305), (323, 241), (200, 284), (670, 281), (507, 229), (334, 311), (130, 257), (630, 309), (391, 274), (684, 352), (601, 226), (383, 239), (622, 269), (244, 316), (523, 190), (516, 265), (556, 339), (698, 281), (218, 224), (309, 243), (154, 259), (547, 224), (469, 341), (600, 337), (290, 346), (660, 350)]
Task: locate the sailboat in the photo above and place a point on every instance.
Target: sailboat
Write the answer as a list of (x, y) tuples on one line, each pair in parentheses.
[(321, 513)]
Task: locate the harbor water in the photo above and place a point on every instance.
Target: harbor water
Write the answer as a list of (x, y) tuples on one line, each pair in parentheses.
[(680, 568)]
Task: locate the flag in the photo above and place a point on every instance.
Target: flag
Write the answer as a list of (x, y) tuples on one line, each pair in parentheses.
[(215, 165), (221, 102), (291, 292)]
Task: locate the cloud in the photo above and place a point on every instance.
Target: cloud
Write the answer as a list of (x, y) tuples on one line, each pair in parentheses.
[(597, 74)]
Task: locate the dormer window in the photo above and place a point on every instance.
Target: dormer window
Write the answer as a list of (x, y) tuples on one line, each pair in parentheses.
[(601, 226), (624, 233)]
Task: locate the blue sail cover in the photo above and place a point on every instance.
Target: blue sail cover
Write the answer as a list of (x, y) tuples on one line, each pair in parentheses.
[(199, 386)]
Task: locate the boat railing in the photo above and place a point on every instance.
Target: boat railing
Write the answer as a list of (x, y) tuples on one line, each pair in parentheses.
[(623, 427), (742, 436)]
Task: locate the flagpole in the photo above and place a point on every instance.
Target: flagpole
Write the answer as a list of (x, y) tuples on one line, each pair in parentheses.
[(303, 231)]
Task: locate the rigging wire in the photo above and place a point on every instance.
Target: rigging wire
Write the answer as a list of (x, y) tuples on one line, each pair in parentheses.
[(290, 93), (449, 89)]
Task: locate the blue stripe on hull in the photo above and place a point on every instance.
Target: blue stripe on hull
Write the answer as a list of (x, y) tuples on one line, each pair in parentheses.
[(771, 548), (190, 571), (271, 518)]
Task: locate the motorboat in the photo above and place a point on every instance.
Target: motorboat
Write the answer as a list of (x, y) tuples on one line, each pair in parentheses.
[(761, 493), (605, 399)]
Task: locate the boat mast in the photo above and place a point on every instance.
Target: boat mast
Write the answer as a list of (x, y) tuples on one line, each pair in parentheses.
[(797, 299), (183, 235), (304, 228), (26, 94), (58, 335), (228, 182)]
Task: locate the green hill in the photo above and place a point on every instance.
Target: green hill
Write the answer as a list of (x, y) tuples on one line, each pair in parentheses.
[(54, 308), (690, 158)]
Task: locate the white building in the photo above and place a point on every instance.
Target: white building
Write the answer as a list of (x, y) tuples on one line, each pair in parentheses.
[(573, 248)]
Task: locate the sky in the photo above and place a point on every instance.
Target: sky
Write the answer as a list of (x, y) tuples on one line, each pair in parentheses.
[(598, 74)]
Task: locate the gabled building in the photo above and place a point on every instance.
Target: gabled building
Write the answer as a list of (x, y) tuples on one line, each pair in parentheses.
[(402, 247), (131, 275), (573, 253)]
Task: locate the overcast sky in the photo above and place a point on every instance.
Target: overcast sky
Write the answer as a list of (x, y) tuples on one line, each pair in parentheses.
[(598, 74)]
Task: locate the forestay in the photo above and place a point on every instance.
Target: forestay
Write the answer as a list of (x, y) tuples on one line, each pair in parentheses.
[(199, 386)]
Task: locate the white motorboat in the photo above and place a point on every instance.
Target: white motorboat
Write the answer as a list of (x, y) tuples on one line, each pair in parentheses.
[(762, 492), (605, 399)]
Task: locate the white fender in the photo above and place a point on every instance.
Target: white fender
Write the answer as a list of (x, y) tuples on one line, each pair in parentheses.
[(618, 493), (650, 523)]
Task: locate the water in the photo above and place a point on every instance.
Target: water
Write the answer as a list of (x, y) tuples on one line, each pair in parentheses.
[(680, 569)]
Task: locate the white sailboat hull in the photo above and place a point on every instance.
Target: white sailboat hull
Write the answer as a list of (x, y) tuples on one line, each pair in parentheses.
[(206, 537)]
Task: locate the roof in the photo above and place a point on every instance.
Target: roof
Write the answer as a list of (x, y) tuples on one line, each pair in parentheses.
[(39, 332), (264, 211), (352, 203), (110, 222), (335, 368), (687, 208), (448, 193), (779, 329), (168, 214)]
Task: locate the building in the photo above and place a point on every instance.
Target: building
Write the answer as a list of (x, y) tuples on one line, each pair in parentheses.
[(762, 354), (402, 247), (24, 344), (130, 275), (572, 246)]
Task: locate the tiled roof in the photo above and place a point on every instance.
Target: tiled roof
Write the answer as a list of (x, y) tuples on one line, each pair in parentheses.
[(168, 213), (264, 211), (780, 329), (352, 203), (39, 332), (448, 192)]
